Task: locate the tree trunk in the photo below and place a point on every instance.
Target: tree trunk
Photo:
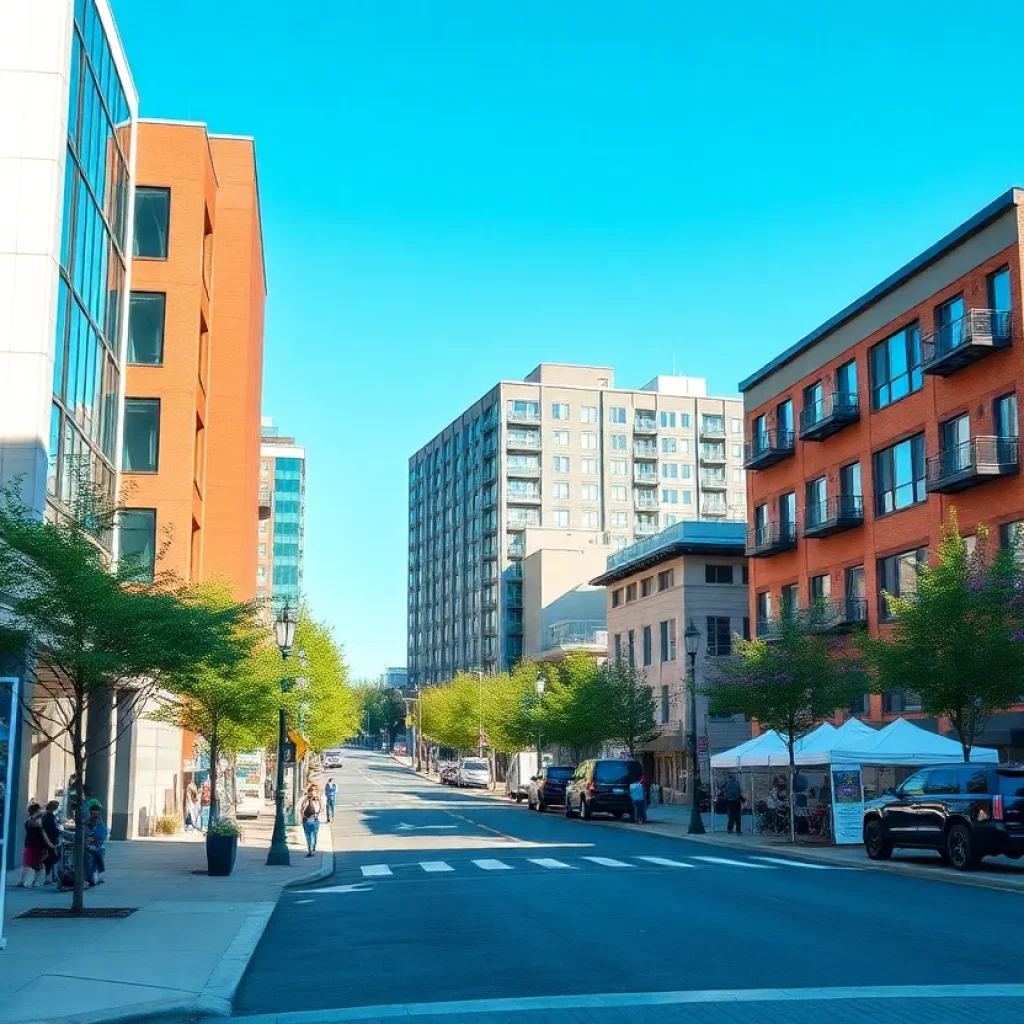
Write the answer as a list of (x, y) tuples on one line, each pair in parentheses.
[(792, 801), (214, 754), (78, 893), (234, 784)]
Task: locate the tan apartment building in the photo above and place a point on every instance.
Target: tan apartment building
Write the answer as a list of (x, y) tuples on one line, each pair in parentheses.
[(564, 448), (691, 571)]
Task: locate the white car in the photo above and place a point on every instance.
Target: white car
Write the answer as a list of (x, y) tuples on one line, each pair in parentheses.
[(474, 771)]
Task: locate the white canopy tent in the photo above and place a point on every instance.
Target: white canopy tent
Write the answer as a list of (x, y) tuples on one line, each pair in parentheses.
[(769, 750), (750, 753), (903, 743)]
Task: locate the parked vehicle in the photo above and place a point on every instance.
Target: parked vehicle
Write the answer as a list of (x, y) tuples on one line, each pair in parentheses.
[(965, 812), (449, 772), (399, 748), (474, 771), (332, 759), (547, 788), (602, 787), (521, 769)]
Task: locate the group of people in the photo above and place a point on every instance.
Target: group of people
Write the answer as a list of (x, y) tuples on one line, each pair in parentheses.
[(41, 854)]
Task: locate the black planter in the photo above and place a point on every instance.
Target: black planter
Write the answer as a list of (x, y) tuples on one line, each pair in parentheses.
[(220, 854)]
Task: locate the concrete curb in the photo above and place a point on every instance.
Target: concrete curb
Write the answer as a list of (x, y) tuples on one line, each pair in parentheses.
[(157, 1010)]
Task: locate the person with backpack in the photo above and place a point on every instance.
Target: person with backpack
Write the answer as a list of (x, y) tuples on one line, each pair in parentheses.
[(311, 818)]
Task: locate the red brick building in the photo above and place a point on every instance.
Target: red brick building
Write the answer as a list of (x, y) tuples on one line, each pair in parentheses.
[(864, 434)]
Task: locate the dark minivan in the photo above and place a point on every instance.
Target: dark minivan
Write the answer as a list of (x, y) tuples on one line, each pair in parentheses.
[(547, 788), (602, 787), (965, 812)]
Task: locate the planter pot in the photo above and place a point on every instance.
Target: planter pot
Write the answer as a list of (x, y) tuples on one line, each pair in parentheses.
[(220, 854)]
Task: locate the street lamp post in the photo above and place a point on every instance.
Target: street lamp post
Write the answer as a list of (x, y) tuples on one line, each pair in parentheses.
[(692, 638), (284, 634), (541, 681)]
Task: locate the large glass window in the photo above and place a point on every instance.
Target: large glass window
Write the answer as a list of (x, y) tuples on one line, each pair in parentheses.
[(949, 324), (719, 636), (152, 222), (146, 328), (897, 577), (895, 366), (138, 540), (900, 475), (668, 640), (1004, 416), (997, 287), (846, 379), (141, 453)]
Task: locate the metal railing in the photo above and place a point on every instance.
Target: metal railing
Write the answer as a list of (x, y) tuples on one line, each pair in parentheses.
[(644, 478), (711, 426), (523, 441), (821, 616), (771, 442), (840, 404), (517, 494), (645, 424), (523, 415), (834, 510), (715, 481), (576, 631), (776, 534), (992, 454), (645, 451), (714, 508), (989, 327), (712, 453), (729, 535)]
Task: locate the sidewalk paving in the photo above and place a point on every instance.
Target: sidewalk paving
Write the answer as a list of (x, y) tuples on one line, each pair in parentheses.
[(185, 948)]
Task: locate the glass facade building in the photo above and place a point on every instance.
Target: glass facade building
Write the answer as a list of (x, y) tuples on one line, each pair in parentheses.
[(282, 517)]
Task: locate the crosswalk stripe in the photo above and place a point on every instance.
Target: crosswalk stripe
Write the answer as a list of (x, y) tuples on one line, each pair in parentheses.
[(797, 864), (548, 862), (493, 865), (665, 862), (375, 870), (733, 863), (608, 862), (435, 865)]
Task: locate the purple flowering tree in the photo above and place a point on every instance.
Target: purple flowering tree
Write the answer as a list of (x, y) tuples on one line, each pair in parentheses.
[(791, 680), (957, 641)]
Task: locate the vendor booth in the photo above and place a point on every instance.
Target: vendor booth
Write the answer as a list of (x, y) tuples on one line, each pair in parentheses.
[(836, 771)]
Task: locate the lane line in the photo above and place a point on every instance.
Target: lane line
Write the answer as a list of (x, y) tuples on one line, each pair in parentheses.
[(608, 862), (800, 864), (493, 865), (550, 862), (734, 863), (435, 865), (664, 862), (375, 870)]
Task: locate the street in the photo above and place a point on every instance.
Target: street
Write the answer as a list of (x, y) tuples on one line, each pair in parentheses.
[(441, 895)]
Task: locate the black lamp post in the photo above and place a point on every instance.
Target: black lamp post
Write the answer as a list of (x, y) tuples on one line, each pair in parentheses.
[(692, 638), (284, 634)]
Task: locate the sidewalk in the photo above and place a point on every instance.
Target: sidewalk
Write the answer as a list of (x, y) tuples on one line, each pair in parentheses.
[(184, 949)]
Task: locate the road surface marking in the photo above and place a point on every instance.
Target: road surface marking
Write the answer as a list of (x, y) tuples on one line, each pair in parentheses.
[(299, 903), (354, 887), (548, 862), (403, 827), (734, 863), (435, 865), (375, 870), (608, 862), (493, 865), (665, 862), (799, 864)]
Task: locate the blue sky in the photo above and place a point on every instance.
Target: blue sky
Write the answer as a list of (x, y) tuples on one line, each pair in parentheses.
[(456, 190)]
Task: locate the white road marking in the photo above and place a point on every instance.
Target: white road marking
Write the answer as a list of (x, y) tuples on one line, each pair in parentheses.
[(299, 903), (800, 864), (435, 865), (608, 862), (549, 862), (664, 862), (355, 887), (734, 863), (375, 870), (493, 865)]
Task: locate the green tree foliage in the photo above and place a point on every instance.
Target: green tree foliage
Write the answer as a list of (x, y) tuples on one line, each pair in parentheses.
[(575, 710), (378, 707), (330, 707), (958, 641), (513, 713), (630, 703)]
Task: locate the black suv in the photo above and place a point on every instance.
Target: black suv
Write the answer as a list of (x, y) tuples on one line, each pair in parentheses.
[(965, 812), (602, 786), (547, 788)]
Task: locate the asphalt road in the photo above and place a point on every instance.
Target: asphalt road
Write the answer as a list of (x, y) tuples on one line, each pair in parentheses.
[(440, 895)]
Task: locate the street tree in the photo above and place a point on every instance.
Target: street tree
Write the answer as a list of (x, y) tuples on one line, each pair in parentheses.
[(630, 703), (378, 708), (790, 680), (574, 712), (330, 707), (957, 640), (512, 709)]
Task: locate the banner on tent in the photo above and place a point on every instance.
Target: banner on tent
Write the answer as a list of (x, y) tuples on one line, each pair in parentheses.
[(848, 805)]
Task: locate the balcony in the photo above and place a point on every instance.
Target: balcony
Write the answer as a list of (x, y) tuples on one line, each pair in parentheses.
[(522, 524), (644, 479), (833, 515), (645, 424), (712, 454), (514, 601), (824, 616), (645, 500), (714, 509), (529, 415), (523, 442), (522, 497), (516, 550), (644, 451), (711, 481), (770, 539), (973, 462), (975, 335), (642, 529), (576, 633), (712, 427), (823, 419), (768, 448), (524, 470)]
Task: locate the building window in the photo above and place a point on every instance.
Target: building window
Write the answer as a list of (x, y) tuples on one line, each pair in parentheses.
[(560, 517), (560, 491), (152, 220), (684, 420), (789, 599), (1004, 416), (617, 414), (900, 475), (745, 575), (618, 442), (619, 492), (666, 579), (559, 411), (264, 467), (588, 414), (617, 597), (590, 492), (146, 328), (669, 496), (262, 550), (630, 593), (719, 636), (687, 497), (648, 647), (846, 379), (668, 640), (667, 419), (717, 573), (261, 573), (670, 471), (746, 627), (997, 290), (138, 540), (141, 452), (561, 463), (589, 467), (588, 440), (664, 705), (618, 647), (764, 606), (1011, 536), (895, 367), (668, 446), (897, 577), (590, 520), (736, 425), (684, 471), (819, 588), (561, 438), (646, 586), (620, 520), (618, 467)]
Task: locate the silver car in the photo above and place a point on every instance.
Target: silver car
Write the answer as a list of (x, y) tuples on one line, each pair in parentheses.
[(474, 771)]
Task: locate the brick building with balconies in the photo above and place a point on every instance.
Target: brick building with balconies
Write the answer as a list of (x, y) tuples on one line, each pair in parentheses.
[(865, 434)]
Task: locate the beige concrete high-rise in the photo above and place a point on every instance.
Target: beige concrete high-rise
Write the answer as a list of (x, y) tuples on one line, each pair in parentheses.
[(564, 448)]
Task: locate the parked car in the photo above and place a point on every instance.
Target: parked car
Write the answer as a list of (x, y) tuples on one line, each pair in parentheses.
[(399, 749), (602, 787), (547, 788), (449, 771), (474, 771), (521, 768), (965, 812)]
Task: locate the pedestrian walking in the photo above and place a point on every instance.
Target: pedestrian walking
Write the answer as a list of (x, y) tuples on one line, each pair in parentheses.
[(95, 844), (192, 821), (311, 818), (51, 829), (330, 793), (636, 794), (33, 853), (734, 804)]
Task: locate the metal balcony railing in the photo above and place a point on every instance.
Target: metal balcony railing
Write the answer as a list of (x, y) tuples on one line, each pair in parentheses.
[(834, 411), (714, 508), (972, 462), (842, 512), (712, 481), (977, 333), (523, 415), (645, 451), (712, 426), (645, 424), (770, 538), (523, 442), (768, 448), (647, 479), (576, 631)]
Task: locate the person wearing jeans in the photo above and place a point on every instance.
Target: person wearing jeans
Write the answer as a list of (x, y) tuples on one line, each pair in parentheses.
[(330, 792), (311, 818), (636, 794)]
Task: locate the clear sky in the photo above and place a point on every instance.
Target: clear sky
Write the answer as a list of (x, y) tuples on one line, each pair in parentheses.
[(456, 190)]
